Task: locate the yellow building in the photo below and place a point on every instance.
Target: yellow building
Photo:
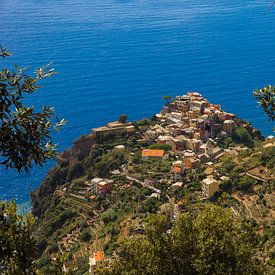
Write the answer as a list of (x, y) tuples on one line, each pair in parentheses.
[(209, 187)]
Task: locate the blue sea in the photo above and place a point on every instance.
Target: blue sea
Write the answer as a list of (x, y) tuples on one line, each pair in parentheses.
[(121, 57)]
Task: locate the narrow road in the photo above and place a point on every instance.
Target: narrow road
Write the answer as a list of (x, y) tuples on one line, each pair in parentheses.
[(176, 210), (143, 184)]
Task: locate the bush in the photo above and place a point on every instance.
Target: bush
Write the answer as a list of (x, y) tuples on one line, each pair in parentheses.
[(136, 157), (109, 216), (165, 147), (62, 218), (122, 118), (228, 164), (209, 242), (83, 265), (226, 142), (268, 157), (85, 235), (241, 135), (110, 161), (245, 183)]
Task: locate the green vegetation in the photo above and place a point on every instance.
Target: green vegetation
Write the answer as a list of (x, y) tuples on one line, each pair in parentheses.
[(86, 235), (211, 241), (242, 136), (25, 140), (268, 158), (266, 98), (167, 99), (122, 118), (166, 147), (73, 217), (25, 133), (17, 245), (110, 161), (109, 216)]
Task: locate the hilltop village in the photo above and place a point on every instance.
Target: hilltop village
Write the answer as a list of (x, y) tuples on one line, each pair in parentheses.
[(191, 153), (189, 127)]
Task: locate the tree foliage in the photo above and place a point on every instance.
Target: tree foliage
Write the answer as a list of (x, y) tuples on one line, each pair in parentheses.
[(208, 242), (266, 98), (167, 98), (86, 235), (110, 161), (17, 246), (109, 216), (25, 134), (242, 136), (157, 146), (122, 118)]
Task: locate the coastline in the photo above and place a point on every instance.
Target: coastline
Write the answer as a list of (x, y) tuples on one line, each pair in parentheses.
[(25, 206)]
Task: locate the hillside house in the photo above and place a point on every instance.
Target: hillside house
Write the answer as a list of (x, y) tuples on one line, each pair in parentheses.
[(113, 127), (228, 126), (177, 170), (182, 103), (165, 140), (97, 263), (179, 144), (104, 187), (191, 162), (153, 154), (150, 135), (208, 147), (101, 186), (209, 187), (177, 185)]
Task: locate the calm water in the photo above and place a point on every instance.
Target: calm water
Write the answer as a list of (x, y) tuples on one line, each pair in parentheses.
[(122, 56)]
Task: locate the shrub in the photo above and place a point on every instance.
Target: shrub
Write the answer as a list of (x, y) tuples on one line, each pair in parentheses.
[(85, 235), (165, 147), (122, 118), (241, 135), (109, 216), (245, 183)]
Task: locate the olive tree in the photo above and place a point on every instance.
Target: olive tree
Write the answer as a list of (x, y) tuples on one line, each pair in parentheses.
[(25, 139), (17, 246), (266, 99), (25, 134), (211, 241)]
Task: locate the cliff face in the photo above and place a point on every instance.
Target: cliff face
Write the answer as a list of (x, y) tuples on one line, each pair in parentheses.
[(102, 190), (70, 165)]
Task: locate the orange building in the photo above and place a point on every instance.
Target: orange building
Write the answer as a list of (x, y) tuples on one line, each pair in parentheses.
[(153, 153), (191, 162), (178, 172)]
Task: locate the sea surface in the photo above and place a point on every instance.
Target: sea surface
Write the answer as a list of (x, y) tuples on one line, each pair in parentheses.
[(121, 57)]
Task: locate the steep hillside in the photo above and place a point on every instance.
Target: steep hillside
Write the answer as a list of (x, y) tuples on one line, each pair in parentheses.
[(104, 187)]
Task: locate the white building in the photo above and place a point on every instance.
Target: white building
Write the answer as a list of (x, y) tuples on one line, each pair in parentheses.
[(97, 263)]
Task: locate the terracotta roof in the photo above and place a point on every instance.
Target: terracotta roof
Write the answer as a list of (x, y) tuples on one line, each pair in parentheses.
[(152, 153), (177, 169), (99, 256)]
